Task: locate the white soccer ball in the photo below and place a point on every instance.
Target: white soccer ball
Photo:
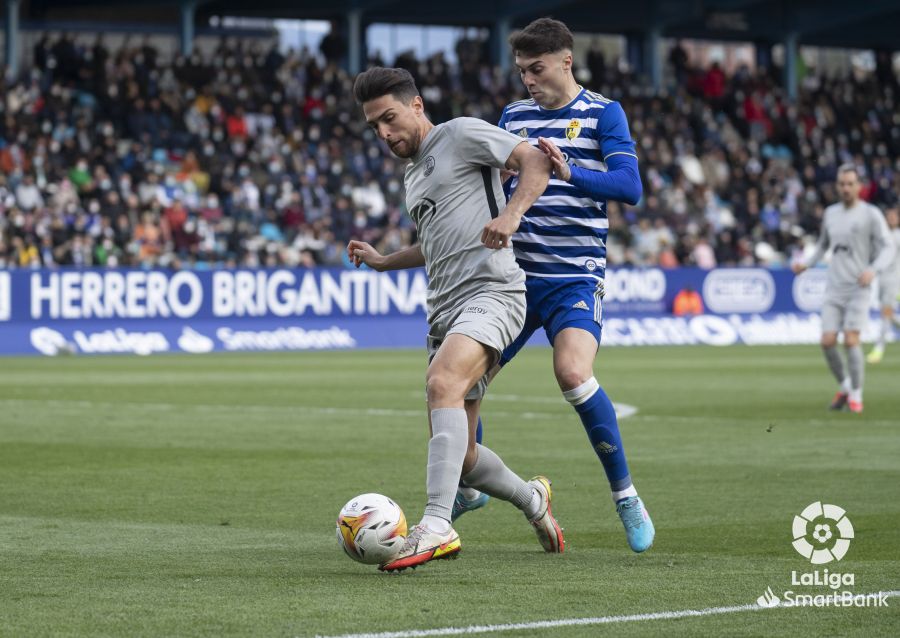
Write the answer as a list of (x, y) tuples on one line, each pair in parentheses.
[(371, 528)]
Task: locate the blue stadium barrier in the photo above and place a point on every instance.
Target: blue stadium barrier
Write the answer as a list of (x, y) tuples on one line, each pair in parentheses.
[(94, 311)]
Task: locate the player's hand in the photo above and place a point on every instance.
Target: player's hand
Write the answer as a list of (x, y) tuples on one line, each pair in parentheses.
[(360, 253), (560, 167), (798, 268), (496, 234), (866, 278)]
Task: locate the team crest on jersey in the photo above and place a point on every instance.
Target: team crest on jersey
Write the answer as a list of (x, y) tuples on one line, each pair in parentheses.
[(523, 133), (429, 165), (573, 130)]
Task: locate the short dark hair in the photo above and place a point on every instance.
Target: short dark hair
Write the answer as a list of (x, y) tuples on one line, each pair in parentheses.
[(379, 81), (544, 35)]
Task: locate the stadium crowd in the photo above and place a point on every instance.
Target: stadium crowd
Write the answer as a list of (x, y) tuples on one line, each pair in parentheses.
[(257, 158)]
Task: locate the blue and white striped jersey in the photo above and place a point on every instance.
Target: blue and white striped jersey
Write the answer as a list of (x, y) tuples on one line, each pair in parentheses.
[(564, 234)]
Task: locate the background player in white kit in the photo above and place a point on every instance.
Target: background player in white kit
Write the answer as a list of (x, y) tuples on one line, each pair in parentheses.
[(888, 289), (861, 247), (476, 292)]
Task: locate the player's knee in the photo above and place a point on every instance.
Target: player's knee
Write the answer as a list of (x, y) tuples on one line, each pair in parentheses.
[(851, 339), (570, 376), (829, 340), (444, 386)]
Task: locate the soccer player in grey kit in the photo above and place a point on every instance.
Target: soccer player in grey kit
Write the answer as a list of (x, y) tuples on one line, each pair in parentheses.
[(861, 247), (476, 293), (888, 289)]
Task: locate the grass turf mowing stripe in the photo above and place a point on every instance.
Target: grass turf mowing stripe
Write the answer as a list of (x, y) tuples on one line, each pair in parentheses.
[(622, 410), (572, 622)]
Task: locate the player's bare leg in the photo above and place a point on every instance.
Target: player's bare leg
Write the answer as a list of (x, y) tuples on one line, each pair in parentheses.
[(488, 475), (468, 499), (856, 364), (458, 364), (836, 365), (574, 350), (887, 326)]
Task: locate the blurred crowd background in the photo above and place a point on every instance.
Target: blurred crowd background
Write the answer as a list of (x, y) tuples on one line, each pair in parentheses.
[(248, 156)]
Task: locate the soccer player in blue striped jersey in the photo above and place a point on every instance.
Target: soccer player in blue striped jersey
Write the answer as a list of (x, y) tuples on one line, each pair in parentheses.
[(561, 242)]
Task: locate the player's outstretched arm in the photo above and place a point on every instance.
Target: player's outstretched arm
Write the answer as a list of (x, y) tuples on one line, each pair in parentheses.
[(362, 253), (621, 181), (533, 168)]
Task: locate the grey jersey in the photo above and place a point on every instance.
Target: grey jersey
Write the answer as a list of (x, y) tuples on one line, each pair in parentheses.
[(452, 190), (892, 272), (859, 239)]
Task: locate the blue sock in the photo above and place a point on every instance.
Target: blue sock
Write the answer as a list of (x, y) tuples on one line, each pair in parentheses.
[(599, 419)]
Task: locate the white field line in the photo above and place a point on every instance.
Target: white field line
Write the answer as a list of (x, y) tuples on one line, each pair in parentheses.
[(298, 411), (623, 410), (575, 622)]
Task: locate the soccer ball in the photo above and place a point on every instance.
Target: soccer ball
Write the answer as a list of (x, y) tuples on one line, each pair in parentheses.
[(371, 528)]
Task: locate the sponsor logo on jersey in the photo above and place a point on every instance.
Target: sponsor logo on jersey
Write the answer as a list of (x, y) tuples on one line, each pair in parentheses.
[(523, 133), (421, 210), (581, 305), (573, 130), (475, 310)]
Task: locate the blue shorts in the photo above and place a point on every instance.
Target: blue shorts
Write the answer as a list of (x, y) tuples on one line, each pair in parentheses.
[(557, 304)]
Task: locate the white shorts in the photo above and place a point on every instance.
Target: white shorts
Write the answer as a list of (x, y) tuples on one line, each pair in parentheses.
[(849, 311), (493, 319)]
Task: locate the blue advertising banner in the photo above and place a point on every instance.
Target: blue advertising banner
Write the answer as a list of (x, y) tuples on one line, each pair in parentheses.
[(95, 311)]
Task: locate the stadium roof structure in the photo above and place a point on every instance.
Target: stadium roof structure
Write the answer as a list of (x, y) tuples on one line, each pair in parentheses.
[(867, 25), (871, 24)]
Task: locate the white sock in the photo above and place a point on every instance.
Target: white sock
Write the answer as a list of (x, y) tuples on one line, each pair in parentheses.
[(446, 454), (532, 508), (628, 491), (845, 385), (468, 493), (491, 476), (856, 395), (435, 524)]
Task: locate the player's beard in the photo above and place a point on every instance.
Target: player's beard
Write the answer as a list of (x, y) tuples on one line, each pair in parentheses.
[(411, 146)]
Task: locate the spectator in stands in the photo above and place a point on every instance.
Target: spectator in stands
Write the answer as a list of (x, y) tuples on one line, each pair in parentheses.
[(687, 302), (249, 156)]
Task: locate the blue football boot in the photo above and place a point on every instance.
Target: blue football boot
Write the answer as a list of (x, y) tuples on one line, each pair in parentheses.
[(461, 504), (638, 526)]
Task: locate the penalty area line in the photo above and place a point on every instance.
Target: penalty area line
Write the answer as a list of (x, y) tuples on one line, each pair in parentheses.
[(575, 622)]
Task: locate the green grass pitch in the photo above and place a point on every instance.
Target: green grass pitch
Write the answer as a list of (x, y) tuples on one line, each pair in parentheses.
[(196, 496)]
